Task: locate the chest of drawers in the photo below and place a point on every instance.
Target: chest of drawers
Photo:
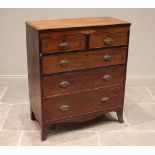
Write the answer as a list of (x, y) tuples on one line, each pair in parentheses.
[(76, 69)]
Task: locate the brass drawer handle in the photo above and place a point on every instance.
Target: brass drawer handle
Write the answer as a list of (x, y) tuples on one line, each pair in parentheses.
[(64, 63), (64, 46), (106, 77), (64, 108), (107, 57), (108, 41), (64, 84), (104, 99)]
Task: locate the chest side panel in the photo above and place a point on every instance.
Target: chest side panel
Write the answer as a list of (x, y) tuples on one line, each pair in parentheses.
[(33, 62)]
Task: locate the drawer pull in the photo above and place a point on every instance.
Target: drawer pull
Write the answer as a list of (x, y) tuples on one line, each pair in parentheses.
[(64, 84), (107, 57), (64, 108), (104, 99), (106, 77), (64, 63), (108, 41), (64, 46)]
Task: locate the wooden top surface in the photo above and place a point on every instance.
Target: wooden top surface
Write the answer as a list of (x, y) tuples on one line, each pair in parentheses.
[(75, 22)]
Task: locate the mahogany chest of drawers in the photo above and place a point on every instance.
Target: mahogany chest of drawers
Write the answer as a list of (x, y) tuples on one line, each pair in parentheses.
[(76, 69)]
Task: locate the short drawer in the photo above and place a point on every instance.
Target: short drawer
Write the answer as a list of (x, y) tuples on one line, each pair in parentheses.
[(60, 107), (82, 60), (108, 39), (63, 43), (82, 80)]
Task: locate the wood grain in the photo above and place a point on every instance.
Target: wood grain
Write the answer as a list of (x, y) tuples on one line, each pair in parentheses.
[(76, 22), (81, 103), (52, 44), (82, 80), (84, 69), (85, 116), (83, 31), (82, 60), (118, 39), (33, 61)]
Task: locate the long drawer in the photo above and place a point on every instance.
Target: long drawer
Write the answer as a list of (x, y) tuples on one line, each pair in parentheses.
[(82, 80), (64, 106), (83, 60)]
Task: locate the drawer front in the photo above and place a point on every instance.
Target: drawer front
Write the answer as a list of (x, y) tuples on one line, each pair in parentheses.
[(108, 39), (60, 107), (83, 60), (63, 43), (82, 80)]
